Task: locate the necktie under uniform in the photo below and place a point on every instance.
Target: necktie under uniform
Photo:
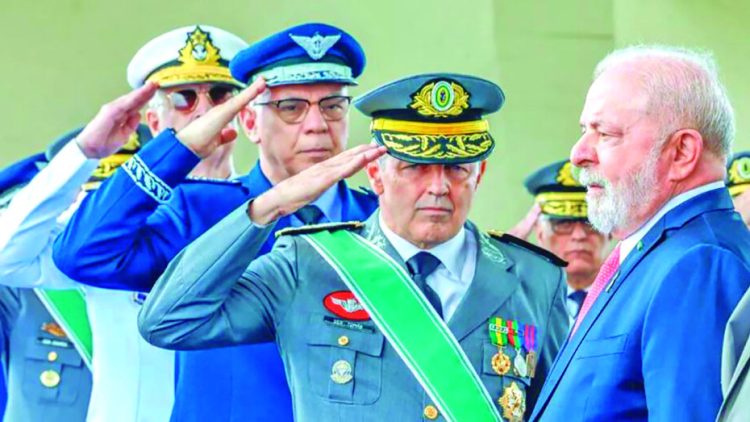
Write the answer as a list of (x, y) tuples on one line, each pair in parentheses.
[(420, 266), (577, 297), (309, 214), (608, 269)]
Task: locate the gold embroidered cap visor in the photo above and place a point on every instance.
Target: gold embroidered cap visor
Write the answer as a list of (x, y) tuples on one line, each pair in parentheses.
[(434, 118), (563, 205), (434, 143)]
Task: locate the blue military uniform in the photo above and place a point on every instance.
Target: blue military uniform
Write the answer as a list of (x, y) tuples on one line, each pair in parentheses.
[(340, 364), (148, 211), (46, 376)]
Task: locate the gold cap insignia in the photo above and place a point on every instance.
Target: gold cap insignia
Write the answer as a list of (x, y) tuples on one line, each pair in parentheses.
[(440, 99), (199, 49), (739, 176), (565, 175)]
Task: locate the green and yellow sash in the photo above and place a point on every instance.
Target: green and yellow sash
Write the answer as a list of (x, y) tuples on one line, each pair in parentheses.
[(68, 308), (411, 325)]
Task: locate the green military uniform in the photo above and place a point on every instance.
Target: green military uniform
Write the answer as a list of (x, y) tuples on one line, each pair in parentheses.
[(343, 362)]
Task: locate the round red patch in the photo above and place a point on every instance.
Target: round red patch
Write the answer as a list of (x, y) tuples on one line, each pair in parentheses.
[(343, 304)]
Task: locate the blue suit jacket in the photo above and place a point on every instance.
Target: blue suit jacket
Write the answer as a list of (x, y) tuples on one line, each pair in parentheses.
[(650, 347), (124, 235)]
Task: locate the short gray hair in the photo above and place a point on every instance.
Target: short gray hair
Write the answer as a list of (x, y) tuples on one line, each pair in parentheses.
[(682, 85)]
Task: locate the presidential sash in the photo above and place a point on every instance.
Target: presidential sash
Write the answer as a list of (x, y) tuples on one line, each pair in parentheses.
[(411, 325), (68, 308)]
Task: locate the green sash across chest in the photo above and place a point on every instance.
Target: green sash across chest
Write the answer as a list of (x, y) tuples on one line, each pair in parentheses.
[(411, 325), (68, 308)]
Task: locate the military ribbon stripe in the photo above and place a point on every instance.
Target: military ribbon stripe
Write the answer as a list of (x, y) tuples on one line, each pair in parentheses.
[(529, 337), (419, 336), (68, 308)]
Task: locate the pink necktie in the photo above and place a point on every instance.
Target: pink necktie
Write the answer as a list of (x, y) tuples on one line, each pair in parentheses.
[(608, 269)]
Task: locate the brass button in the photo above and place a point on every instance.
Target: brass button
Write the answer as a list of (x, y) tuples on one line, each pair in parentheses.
[(49, 378), (52, 356), (430, 412), (343, 341)]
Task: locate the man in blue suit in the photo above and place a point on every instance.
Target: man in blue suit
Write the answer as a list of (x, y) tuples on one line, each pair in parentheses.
[(300, 120), (657, 130)]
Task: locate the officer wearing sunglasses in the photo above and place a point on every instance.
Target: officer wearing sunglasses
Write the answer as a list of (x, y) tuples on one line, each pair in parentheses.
[(296, 112)]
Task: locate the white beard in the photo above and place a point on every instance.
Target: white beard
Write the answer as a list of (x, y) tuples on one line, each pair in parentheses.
[(615, 207)]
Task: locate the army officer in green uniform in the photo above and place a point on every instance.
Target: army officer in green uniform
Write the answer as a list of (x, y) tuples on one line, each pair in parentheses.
[(414, 313)]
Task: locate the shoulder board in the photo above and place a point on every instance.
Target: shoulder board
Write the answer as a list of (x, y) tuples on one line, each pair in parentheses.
[(314, 228), (507, 238)]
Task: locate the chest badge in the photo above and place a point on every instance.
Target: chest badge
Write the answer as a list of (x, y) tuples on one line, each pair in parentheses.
[(341, 372), (344, 305)]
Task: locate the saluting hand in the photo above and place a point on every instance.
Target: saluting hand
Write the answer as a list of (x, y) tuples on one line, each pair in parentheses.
[(208, 132), (115, 122), (303, 188), (522, 230)]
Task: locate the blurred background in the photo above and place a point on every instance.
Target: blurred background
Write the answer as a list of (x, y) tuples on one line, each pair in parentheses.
[(63, 59)]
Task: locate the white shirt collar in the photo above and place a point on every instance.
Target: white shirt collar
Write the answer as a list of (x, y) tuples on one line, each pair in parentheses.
[(451, 253), (628, 244)]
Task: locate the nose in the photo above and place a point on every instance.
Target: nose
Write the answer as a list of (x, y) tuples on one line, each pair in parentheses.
[(579, 231), (202, 106), (583, 153), (438, 180), (314, 121)]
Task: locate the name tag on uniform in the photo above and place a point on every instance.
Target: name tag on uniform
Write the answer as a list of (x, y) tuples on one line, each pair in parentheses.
[(349, 325)]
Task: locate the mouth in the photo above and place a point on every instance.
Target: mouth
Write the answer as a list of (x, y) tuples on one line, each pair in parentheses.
[(316, 152), (577, 254), (435, 210)]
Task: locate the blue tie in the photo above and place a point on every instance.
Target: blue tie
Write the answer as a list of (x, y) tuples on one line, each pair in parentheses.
[(309, 214), (420, 266), (578, 297)]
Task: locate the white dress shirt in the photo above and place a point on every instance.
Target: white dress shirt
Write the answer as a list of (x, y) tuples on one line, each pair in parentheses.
[(628, 244), (458, 260), (132, 380)]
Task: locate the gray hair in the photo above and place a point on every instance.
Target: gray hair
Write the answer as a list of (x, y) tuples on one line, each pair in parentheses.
[(157, 102), (683, 86)]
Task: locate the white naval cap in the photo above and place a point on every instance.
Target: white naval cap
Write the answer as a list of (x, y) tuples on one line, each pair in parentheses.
[(187, 55)]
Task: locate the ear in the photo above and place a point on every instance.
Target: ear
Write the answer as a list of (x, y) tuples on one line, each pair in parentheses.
[(152, 121), (248, 117), (686, 147), (374, 174), (539, 233), (482, 168)]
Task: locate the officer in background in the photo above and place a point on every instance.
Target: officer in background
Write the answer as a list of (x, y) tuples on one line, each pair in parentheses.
[(301, 119), (180, 75), (494, 301), (735, 359), (562, 227), (47, 377)]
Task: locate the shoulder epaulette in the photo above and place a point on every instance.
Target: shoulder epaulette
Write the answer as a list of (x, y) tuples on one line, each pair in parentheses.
[(507, 238), (314, 228)]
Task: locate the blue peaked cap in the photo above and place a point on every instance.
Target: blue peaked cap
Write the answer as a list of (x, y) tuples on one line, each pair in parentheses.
[(304, 54)]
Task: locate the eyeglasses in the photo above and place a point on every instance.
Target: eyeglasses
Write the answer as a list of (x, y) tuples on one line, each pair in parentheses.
[(294, 110), (566, 227), (185, 100)]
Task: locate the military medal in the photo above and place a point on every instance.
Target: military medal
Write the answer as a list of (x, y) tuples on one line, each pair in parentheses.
[(513, 403), (519, 363), (501, 362), (529, 342)]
